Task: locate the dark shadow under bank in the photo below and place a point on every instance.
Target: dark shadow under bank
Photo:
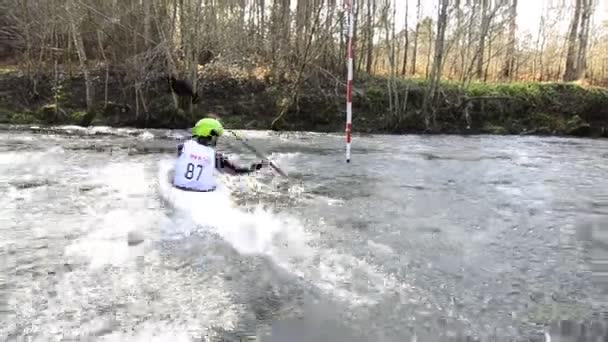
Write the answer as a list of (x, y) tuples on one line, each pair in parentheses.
[(542, 109)]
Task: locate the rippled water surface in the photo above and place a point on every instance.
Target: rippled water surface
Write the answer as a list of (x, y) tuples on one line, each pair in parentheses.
[(420, 237)]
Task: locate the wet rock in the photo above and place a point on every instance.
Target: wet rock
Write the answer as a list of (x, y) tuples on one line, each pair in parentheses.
[(537, 297), (558, 297), (86, 188), (583, 130), (427, 229), (578, 127), (134, 238), (49, 113), (31, 184), (494, 129), (542, 131)]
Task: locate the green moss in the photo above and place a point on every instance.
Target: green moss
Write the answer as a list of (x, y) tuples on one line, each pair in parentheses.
[(5, 115), (551, 122), (575, 121), (82, 118), (78, 115), (576, 126), (23, 118), (494, 129), (48, 113)]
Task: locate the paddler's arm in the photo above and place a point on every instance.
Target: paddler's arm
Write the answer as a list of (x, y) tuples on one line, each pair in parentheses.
[(180, 147), (223, 164)]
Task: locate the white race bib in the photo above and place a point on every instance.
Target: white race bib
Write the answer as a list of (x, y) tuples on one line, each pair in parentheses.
[(194, 168)]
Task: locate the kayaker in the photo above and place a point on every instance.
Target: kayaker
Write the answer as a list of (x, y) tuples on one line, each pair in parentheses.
[(197, 159)]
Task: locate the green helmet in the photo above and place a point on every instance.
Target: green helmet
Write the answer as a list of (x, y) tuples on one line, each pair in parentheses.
[(207, 127)]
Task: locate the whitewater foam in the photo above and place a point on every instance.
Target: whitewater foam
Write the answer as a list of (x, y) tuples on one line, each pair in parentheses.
[(254, 231), (281, 237)]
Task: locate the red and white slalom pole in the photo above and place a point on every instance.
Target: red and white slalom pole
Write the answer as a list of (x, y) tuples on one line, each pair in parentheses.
[(349, 84)]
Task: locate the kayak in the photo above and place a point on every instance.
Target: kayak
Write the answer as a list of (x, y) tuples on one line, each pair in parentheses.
[(247, 231), (194, 203)]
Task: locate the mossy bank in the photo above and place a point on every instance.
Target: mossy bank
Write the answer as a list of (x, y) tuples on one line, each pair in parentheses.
[(250, 102)]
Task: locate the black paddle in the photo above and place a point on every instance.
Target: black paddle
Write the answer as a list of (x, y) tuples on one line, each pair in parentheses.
[(258, 153)]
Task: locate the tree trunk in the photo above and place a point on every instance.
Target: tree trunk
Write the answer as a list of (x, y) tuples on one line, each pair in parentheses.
[(570, 72), (486, 73), (430, 51), (371, 11), (456, 67), (429, 98), (168, 45), (507, 72), (470, 41), (285, 32), (107, 65), (275, 36), (482, 37), (328, 60), (355, 35), (82, 57), (262, 9), (415, 50), (147, 33), (581, 64), (301, 20), (407, 41), (389, 53)]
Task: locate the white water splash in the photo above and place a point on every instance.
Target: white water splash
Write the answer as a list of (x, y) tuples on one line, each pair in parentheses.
[(101, 130), (145, 136), (158, 332), (281, 237), (258, 231), (106, 240), (285, 161)]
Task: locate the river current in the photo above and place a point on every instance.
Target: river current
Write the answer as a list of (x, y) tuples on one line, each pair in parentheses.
[(425, 238)]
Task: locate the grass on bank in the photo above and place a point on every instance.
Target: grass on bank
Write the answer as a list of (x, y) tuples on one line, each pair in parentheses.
[(499, 108)]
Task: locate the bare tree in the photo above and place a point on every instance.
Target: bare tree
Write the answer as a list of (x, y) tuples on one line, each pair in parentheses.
[(510, 56), (570, 73), (134, 43), (429, 98), (72, 13), (371, 12), (581, 62), (415, 49), (406, 45)]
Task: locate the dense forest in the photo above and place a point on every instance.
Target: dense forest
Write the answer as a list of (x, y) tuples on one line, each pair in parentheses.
[(451, 66)]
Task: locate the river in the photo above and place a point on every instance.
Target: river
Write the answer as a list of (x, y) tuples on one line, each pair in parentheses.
[(425, 238)]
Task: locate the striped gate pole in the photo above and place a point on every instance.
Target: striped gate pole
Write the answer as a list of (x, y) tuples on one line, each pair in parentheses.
[(349, 84)]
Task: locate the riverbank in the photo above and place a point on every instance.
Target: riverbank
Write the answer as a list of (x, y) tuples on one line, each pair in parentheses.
[(251, 100)]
